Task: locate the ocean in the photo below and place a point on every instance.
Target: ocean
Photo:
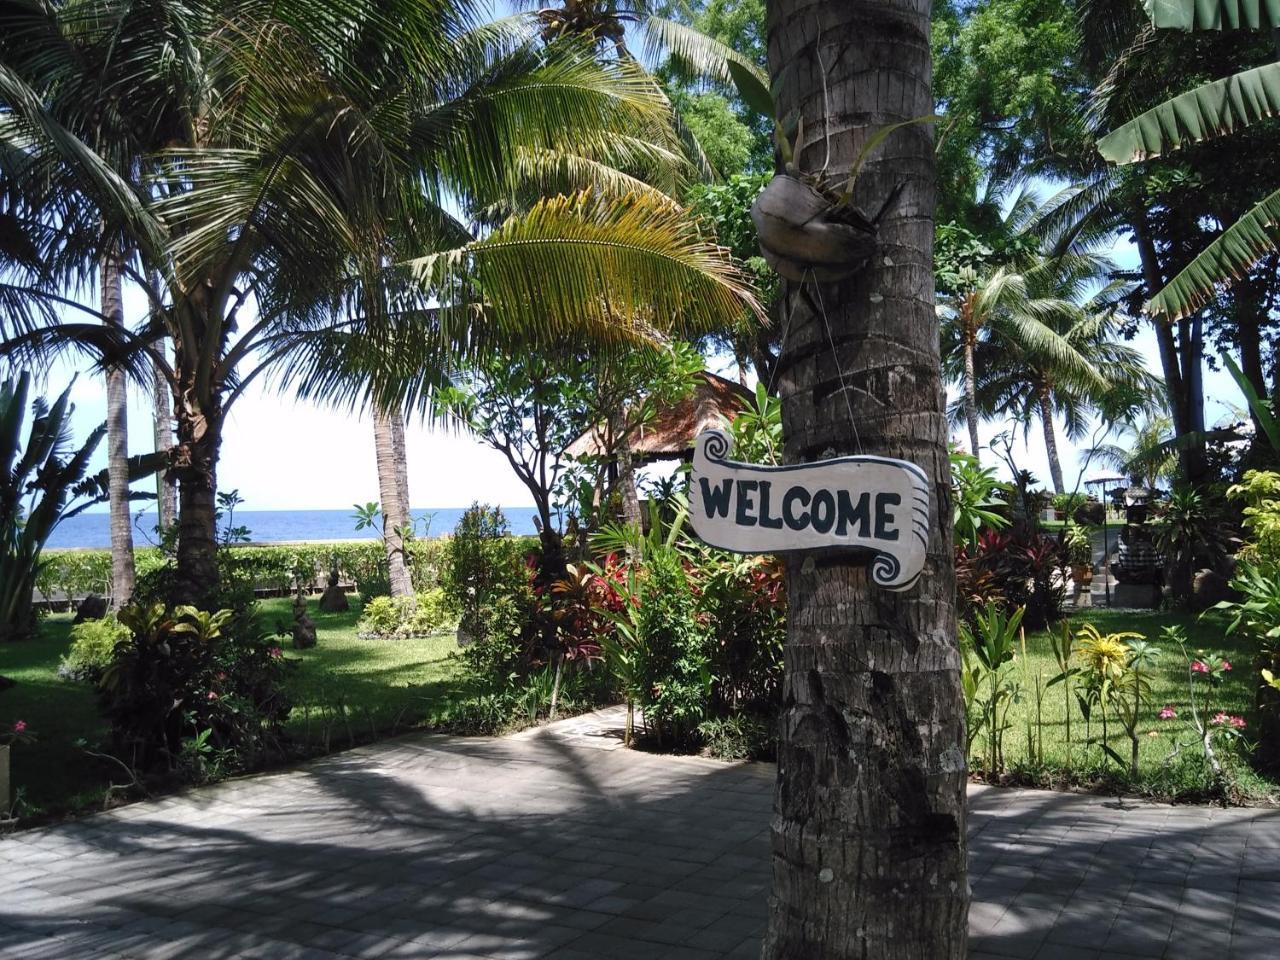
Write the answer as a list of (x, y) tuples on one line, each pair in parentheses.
[(274, 526)]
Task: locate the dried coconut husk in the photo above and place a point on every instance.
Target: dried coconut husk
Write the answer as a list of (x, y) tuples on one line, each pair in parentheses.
[(806, 234)]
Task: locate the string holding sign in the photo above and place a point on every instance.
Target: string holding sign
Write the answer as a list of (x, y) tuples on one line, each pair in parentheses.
[(872, 504)]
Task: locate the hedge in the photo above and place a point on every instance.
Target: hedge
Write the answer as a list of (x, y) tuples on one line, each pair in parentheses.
[(78, 573)]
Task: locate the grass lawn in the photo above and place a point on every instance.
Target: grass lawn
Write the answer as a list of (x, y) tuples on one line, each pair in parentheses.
[(345, 690), (1183, 775)]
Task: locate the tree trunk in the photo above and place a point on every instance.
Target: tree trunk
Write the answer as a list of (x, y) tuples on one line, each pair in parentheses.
[(166, 485), (868, 832), (971, 397), (122, 569), (1051, 439), (195, 465), (626, 471), (388, 439), (1172, 353)]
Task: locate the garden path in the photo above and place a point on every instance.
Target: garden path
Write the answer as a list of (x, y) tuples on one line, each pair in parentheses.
[(542, 845)]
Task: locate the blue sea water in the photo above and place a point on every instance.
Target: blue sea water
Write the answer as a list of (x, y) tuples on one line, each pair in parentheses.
[(273, 526)]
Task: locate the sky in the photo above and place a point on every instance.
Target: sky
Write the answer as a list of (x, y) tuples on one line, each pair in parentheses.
[(285, 455), (282, 454)]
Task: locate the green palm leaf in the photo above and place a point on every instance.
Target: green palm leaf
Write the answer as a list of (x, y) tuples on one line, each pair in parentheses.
[(1213, 14), (1237, 249), (694, 53), (585, 265), (1210, 110)]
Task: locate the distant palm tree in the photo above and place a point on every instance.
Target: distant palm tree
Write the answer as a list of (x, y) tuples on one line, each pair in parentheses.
[(1067, 361), (1144, 453), (284, 143)]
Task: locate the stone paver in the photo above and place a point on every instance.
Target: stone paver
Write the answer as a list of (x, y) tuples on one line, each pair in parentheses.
[(543, 846)]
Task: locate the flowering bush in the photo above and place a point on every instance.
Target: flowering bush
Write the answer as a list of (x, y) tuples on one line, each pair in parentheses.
[(18, 733)]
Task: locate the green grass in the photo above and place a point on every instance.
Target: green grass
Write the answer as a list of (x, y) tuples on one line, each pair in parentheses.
[(345, 690), (1077, 763)]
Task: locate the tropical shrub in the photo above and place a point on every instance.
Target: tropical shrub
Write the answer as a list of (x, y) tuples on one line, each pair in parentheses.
[(1018, 569), (675, 669), (975, 492), (42, 483), (419, 615), (740, 737), (743, 603), (93, 645), (182, 672), (987, 679), (1068, 503), (1260, 491), (486, 578), (1189, 532)]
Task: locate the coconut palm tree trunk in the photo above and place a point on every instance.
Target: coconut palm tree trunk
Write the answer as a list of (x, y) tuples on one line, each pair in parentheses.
[(388, 440), (868, 832), (122, 568), (971, 398), (1045, 399), (162, 414)]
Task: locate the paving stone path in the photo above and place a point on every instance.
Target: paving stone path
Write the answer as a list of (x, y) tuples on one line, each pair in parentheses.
[(543, 845)]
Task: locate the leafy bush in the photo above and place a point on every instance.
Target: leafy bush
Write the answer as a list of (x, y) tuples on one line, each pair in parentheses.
[(418, 615), (740, 737), (1013, 570), (93, 644), (184, 671), (485, 577), (1260, 491), (1068, 503), (743, 602), (675, 670)]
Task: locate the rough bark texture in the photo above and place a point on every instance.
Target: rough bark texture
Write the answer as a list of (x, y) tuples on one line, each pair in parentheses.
[(122, 568), (1045, 400), (868, 832), (198, 416), (971, 398), (166, 483), (388, 428)]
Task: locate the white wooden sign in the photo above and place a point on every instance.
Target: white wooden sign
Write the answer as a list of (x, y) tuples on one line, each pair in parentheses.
[(869, 503)]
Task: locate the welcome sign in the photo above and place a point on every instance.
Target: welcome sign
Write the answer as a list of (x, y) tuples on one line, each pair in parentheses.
[(873, 504)]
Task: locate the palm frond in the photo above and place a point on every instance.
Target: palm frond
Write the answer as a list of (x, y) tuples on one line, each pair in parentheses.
[(639, 270), (694, 54)]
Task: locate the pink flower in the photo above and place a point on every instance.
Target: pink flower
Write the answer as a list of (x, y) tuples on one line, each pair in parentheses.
[(1238, 723), (20, 726), (222, 676), (1220, 718), (1199, 666), (1168, 713), (275, 653), (212, 695), (1226, 664)]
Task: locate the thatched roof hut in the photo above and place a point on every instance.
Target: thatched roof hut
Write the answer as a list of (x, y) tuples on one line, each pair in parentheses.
[(713, 402)]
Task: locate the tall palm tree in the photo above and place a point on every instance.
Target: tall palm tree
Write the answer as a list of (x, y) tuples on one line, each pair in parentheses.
[(393, 482), (868, 828), (290, 152), (1067, 362), (122, 569)]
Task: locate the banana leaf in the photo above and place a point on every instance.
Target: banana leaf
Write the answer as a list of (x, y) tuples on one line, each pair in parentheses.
[(1213, 14), (1211, 110)]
